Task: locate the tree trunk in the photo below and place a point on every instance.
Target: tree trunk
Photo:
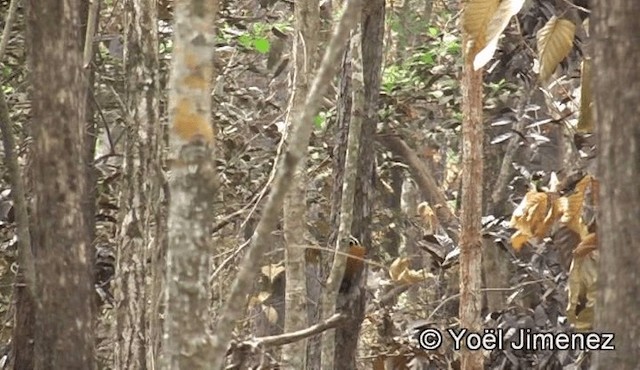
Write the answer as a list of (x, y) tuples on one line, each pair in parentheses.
[(193, 189), (64, 319), (353, 301), (141, 188), (471, 202), (617, 92), (307, 25)]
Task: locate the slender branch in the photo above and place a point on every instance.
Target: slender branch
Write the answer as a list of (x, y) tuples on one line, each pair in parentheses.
[(92, 21), (236, 301), (8, 23), (294, 336), (427, 184), (25, 254)]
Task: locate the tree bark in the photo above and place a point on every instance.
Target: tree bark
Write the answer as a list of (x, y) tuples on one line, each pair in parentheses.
[(307, 25), (193, 187), (471, 202), (64, 318), (617, 92), (141, 188), (352, 302)]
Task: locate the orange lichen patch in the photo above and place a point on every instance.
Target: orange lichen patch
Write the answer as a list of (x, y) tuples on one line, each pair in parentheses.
[(195, 81), (188, 124), (191, 60)]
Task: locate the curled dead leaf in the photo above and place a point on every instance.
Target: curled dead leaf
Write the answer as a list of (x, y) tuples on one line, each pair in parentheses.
[(583, 277), (586, 246)]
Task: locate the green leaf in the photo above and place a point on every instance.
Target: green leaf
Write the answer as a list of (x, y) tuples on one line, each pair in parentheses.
[(245, 40), (433, 32), (427, 58), (261, 45), (318, 121)]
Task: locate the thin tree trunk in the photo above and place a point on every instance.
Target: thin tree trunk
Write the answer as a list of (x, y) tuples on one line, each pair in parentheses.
[(141, 188), (307, 25), (470, 236), (64, 320), (349, 168), (193, 188), (617, 93)]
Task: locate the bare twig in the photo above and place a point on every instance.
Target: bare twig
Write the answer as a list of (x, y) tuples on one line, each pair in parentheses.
[(427, 184), (25, 254), (286, 338), (236, 301), (8, 23), (92, 21)]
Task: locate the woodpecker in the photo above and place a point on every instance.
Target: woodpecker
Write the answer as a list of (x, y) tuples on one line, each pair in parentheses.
[(355, 264)]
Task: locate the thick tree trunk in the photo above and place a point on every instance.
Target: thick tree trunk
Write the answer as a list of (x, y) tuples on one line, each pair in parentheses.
[(141, 188), (64, 320), (617, 93)]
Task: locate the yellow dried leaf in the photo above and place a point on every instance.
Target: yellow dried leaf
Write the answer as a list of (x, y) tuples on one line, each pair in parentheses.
[(555, 41), (398, 266), (475, 19), (499, 21), (518, 239), (530, 215), (586, 246), (428, 217)]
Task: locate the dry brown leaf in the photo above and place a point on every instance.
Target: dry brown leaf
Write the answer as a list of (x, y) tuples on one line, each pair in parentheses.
[(586, 246), (583, 277), (428, 217), (518, 239), (499, 21), (555, 41), (476, 16), (401, 273), (397, 267), (531, 214)]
